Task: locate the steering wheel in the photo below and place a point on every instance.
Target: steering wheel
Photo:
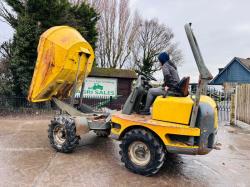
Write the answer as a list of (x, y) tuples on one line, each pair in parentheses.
[(149, 77)]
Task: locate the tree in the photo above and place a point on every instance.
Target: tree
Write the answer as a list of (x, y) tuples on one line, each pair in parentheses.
[(29, 19), (84, 20), (153, 39), (117, 30), (6, 50), (6, 83)]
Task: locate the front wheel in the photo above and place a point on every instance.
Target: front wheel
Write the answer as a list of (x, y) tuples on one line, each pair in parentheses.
[(142, 152), (62, 134)]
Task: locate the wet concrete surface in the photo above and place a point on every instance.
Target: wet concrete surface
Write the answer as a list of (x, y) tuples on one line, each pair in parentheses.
[(26, 159)]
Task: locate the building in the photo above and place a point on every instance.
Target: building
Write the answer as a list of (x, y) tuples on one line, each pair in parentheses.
[(237, 71), (120, 80), (108, 83)]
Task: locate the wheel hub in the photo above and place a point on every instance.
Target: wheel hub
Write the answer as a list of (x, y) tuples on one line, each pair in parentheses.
[(139, 153), (59, 134)]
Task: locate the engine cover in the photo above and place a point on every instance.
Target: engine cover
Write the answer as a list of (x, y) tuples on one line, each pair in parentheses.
[(173, 109)]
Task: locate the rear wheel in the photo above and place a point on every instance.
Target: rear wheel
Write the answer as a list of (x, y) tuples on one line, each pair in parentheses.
[(142, 152), (62, 134)]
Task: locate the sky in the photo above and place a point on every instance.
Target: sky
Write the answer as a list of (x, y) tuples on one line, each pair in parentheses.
[(222, 28), (6, 31)]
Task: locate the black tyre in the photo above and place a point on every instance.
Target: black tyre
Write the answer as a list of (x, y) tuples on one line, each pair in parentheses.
[(62, 134), (142, 152), (102, 133)]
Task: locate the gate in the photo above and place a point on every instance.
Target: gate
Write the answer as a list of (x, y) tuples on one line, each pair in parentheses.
[(223, 101)]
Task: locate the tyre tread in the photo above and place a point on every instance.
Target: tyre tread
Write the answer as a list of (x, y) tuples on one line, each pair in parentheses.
[(72, 139), (159, 150)]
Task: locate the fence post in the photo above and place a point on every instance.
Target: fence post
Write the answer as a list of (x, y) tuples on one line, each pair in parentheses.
[(110, 101), (236, 103), (248, 104)]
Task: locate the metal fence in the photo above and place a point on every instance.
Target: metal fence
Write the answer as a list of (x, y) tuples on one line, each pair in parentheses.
[(20, 105), (104, 102), (223, 102), (17, 105)]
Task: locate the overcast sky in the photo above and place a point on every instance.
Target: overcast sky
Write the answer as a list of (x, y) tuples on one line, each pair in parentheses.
[(222, 28)]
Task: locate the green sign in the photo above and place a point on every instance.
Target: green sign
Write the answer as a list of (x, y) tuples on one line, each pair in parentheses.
[(100, 87)]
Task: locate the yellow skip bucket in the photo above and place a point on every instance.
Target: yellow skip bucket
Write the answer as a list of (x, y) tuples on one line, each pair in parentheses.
[(63, 55)]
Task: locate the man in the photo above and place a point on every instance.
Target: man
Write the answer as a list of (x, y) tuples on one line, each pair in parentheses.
[(171, 79)]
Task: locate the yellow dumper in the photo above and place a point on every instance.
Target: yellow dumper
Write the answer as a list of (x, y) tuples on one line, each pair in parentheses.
[(64, 57), (180, 123)]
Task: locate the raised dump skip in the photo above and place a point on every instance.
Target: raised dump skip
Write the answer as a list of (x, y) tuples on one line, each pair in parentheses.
[(56, 68)]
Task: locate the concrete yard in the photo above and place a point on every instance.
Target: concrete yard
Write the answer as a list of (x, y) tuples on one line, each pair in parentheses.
[(26, 159)]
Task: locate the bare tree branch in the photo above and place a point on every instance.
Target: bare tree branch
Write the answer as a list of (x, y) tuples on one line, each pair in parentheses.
[(7, 16), (127, 41), (117, 29), (5, 50), (153, 39)]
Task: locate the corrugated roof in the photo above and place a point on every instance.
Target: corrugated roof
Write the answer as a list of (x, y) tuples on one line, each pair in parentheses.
[(245, 62), (111, 72)]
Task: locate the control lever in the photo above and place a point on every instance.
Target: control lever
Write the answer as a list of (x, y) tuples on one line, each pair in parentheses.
[(165, 94)]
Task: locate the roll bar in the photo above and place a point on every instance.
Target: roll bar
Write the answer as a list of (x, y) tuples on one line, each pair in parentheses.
[(204, 78), (203, 70)]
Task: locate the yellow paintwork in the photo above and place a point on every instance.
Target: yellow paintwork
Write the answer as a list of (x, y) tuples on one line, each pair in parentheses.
[(216, 118), (163, 128), (57, 63), (172, 109), (178, 109)]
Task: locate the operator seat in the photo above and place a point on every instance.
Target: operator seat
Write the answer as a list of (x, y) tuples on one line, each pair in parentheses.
[(182, 87)]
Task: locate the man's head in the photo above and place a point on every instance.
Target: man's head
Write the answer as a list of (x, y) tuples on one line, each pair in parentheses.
[(163, 57)]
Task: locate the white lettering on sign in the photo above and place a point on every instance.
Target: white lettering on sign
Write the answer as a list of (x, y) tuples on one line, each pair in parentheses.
[(99, 87)]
